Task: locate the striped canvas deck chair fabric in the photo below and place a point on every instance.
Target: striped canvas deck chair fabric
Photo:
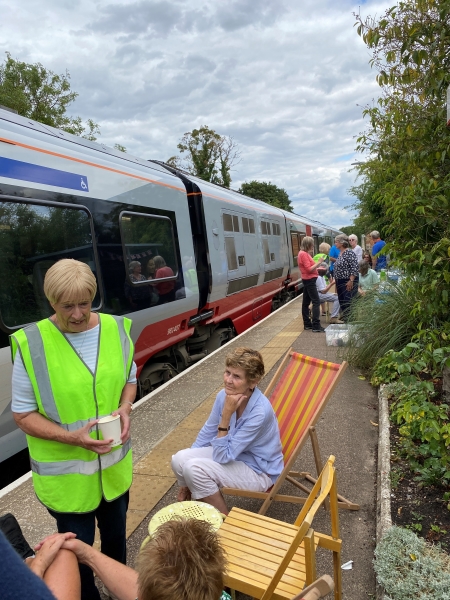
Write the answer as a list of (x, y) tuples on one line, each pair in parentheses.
[(298, 392)]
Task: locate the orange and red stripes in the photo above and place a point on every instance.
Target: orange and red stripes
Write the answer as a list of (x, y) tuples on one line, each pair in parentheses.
[(298, 397)]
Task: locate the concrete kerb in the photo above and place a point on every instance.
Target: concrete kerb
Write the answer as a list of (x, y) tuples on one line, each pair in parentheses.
[(384, 518)]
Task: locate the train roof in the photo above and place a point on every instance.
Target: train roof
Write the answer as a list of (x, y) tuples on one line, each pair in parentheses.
[(208, 189)]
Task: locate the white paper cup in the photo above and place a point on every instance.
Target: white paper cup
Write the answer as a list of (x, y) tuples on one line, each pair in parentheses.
[(110, 428)]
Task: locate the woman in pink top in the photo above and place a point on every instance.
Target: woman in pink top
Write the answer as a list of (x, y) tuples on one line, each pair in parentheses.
[(166, 289), (308, 271)]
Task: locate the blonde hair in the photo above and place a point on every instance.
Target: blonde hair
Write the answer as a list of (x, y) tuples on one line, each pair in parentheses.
[(183, 561), (69, 278), (324, 248), (249, 360), (307, 243)]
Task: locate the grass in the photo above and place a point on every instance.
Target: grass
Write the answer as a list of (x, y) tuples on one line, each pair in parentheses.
[(383, 321)]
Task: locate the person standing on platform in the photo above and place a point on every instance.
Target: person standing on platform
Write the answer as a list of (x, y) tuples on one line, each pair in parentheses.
[(379, 261), (308, 272), (69, 371), (355, 246), (346, 274), (333, 255)]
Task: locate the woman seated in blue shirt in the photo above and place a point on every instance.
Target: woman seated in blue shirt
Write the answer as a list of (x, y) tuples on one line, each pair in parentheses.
[(239, 445)]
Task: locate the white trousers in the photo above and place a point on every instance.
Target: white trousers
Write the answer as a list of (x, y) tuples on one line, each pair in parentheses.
[(196, 469), (331, 298)]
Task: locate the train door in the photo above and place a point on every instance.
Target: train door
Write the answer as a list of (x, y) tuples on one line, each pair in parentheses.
[(265, 238), (234, 245), (275, 245), (250, 244)]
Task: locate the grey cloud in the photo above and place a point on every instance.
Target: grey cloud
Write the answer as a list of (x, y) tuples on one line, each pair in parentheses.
[(232, 16), (157, 19)]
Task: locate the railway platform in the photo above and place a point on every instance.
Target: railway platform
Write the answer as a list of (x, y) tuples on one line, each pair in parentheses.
[(169, 419)]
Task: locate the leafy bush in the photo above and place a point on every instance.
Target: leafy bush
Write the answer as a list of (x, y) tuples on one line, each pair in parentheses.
[(408, 567), (417, 360), (424, 430), (417, 407)]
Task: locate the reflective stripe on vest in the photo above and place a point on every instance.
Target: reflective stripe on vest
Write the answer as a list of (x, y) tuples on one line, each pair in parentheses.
[(36, 346), (81, 467)]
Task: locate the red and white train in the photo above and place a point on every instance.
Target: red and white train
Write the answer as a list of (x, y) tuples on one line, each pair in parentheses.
[(192, 263)]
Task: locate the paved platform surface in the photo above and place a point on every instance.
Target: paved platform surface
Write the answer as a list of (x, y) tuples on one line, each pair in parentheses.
[(170, 418)]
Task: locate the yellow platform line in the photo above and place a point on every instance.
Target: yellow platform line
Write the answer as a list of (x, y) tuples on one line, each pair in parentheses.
[(152, 474)]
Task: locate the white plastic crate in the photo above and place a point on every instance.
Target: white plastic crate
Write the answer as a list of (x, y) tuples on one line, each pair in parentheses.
[(337, 335)]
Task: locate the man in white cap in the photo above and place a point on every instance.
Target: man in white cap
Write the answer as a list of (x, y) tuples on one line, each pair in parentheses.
[(324, 295)]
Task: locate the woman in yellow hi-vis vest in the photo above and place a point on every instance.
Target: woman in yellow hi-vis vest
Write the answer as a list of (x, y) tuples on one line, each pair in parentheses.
[(69, 371)]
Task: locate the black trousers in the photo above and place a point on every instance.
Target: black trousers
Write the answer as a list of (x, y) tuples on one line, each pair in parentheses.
[(345, 296), (111, 519), (310, 294)]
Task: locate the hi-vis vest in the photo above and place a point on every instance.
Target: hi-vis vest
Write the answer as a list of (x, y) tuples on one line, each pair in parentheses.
[(70, 478)]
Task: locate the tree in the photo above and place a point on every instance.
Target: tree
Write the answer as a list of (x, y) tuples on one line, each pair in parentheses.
[(209, 155), (267, 192), (39, 94), (406, 175)]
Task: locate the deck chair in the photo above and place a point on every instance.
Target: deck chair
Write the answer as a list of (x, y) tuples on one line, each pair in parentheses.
[(302, 390), (271, 559)]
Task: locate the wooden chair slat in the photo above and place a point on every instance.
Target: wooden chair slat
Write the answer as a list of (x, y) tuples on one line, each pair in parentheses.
[(269, 559)]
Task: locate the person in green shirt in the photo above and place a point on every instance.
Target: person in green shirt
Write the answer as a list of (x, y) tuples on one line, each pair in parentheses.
[(322, 255), (368, 278)]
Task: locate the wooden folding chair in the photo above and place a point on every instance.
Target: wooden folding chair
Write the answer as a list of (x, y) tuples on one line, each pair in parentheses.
[(271, 559), (302, 390)]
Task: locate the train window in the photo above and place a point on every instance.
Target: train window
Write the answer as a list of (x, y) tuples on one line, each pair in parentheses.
[(150, 253), (227, 222), (231, 253), (235, 223), (266, 252), (32, 238), (245, 226), (275, 229), (265, 228), (251, 225)]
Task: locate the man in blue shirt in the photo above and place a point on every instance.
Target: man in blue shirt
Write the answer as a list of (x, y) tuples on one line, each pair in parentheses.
[(378, 262), (333, 254)]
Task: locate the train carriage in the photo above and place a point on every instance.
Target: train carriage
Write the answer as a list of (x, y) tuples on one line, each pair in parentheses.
[(192, 263)]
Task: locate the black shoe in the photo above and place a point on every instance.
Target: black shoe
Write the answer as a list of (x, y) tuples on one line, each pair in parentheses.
[(318, 330), (307, 326), (11, 528)]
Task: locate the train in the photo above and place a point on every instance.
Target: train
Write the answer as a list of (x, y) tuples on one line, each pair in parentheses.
[(191, 263)]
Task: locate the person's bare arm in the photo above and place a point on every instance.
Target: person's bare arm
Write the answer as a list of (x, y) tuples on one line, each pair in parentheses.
[(36, 425), (121, 580), (314, 266)]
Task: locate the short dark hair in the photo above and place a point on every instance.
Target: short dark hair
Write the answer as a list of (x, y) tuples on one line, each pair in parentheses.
[(183, 561)]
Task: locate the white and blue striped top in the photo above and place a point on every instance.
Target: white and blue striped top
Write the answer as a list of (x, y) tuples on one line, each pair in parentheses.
[(85, 344)]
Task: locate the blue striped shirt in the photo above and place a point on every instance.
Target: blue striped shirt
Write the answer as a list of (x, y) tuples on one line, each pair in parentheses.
[(84, 343)]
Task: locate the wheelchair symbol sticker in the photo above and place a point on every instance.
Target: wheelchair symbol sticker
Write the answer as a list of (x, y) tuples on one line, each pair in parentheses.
[(83, 185)]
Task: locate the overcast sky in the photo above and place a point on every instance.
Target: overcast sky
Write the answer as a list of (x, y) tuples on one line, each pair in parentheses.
[(287, 79)]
